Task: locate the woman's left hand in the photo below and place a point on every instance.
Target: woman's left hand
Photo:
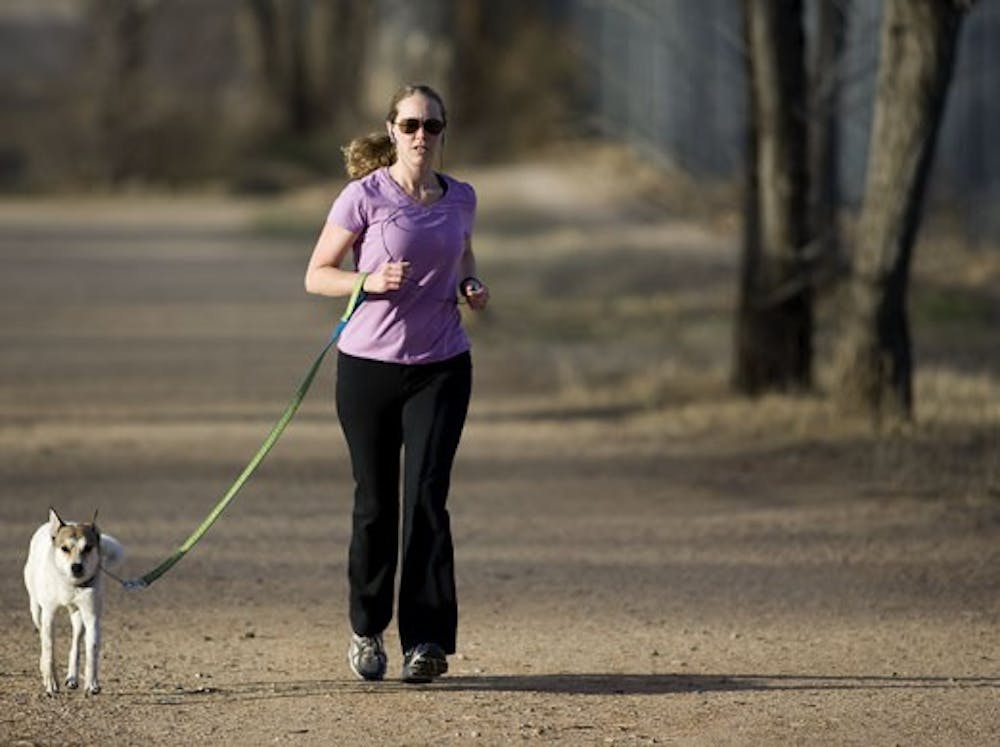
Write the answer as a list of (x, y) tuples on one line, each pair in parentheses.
[(476, 294)]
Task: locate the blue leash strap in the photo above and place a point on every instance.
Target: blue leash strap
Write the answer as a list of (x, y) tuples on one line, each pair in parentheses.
[(357, 296)]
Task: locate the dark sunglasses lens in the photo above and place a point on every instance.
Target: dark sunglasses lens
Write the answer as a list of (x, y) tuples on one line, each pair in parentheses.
[(433, 126), (409, 126)]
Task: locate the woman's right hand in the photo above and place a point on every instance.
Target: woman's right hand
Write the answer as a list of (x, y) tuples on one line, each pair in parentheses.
[(389, 277)]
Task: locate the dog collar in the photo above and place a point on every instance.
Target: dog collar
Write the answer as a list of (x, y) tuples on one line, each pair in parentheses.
[(90, 583)]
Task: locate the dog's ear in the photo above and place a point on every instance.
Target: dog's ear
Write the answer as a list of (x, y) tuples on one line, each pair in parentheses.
[(93, 521), (55, 523)]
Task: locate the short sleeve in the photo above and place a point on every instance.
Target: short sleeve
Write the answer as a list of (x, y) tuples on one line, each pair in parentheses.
[(348, 209)]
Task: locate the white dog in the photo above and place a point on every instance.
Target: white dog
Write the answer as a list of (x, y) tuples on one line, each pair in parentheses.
[(64, 570)]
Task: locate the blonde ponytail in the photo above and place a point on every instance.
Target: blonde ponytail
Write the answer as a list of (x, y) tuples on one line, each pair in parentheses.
[(365, 154)]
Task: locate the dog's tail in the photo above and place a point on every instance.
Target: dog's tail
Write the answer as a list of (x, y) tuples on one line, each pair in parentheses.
[(112, 552)]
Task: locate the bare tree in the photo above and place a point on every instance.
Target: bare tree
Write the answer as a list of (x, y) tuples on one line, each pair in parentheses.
[(281, 40), (309, 54), (774, 324), (825, 81), (873, 362), (121, 35), (343, 46)]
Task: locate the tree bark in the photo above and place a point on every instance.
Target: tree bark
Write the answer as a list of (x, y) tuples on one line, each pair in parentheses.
[(309, 56), (343, 60), (873, 360), (268, 43), (121, 33), (826, 76), (303, 105), (773, 348)]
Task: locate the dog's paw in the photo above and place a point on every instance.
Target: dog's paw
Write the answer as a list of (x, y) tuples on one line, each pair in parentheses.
[(94, 689), (51, 687), (72, 683)]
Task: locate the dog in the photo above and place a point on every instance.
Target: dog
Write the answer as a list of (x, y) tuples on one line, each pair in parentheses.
[(64, 570)]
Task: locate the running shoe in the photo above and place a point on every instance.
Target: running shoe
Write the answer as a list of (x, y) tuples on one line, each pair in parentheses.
[(366, 656), (424, 662)]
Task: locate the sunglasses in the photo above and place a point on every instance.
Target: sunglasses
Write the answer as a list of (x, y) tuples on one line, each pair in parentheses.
[(410, 126)]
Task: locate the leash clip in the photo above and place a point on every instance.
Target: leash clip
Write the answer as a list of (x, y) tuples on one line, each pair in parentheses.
[(127, 584)]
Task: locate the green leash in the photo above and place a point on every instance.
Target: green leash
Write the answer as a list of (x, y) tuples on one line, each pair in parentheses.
[(357, 296)]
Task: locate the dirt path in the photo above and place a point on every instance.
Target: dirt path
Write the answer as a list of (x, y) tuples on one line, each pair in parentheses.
[(642, 558)]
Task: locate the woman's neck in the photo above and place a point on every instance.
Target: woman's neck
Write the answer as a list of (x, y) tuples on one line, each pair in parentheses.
[(420, 184), (413, 180)]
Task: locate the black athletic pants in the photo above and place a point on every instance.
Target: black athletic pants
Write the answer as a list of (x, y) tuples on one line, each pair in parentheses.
[(421, 409)]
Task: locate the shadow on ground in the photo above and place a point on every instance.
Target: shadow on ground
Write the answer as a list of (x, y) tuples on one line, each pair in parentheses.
[(576, 684)]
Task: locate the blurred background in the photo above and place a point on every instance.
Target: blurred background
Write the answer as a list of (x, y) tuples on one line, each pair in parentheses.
[(561, 112), (258, 95)]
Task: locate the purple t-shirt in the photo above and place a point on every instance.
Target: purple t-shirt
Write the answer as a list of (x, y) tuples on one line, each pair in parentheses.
[(420, 322)]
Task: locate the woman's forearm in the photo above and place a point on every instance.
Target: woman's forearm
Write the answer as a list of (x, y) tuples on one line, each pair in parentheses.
[(330, 281)]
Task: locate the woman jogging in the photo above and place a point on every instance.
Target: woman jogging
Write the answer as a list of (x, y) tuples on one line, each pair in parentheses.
[(404, 376)]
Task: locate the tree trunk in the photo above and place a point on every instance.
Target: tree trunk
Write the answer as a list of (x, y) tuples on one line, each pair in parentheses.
[(774, 324), (303, 108), (873, 362), (301, 46), (826, 75), (343, 51), (268, 46), (121, 34)]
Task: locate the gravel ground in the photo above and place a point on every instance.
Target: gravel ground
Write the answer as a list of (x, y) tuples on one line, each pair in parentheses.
[(642, 558)]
